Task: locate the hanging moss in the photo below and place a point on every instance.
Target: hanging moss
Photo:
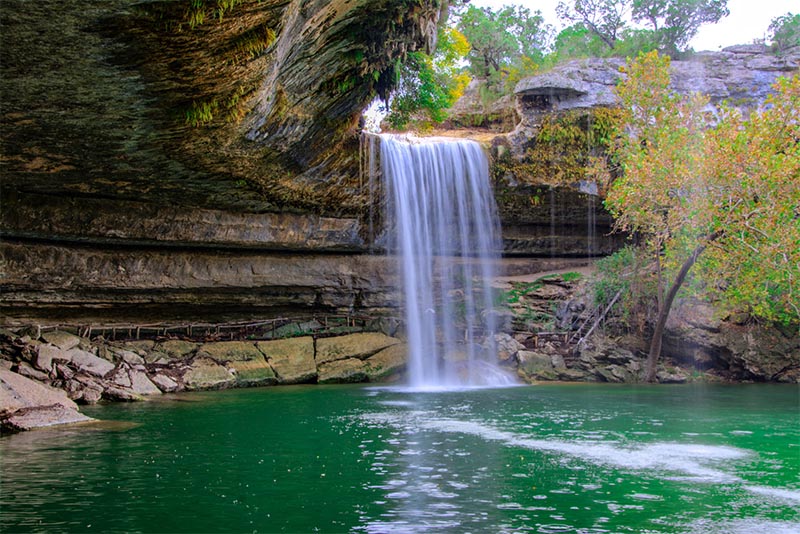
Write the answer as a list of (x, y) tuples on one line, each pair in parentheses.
[(252, 43), (565, 148)]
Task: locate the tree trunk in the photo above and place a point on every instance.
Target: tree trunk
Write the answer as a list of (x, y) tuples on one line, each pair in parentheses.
[(663, 312)]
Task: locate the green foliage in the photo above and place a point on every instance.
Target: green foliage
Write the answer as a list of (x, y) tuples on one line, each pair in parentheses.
[(603, 18), (675, 22), (428, 85), (627, 271), (504, 44), (784, 32), (600, 27), (566, 148), (201, 113), (725, 190), (253, 42), (198, 11)]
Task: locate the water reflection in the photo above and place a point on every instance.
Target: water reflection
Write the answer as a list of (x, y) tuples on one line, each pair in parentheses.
[(436, 440)]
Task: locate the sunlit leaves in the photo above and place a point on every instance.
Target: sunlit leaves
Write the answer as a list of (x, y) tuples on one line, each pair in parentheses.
[(688, 175)]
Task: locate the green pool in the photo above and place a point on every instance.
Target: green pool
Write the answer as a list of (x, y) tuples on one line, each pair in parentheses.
[(548, 458)]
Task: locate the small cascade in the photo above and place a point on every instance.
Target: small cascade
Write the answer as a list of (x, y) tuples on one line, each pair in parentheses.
[(442, 219)]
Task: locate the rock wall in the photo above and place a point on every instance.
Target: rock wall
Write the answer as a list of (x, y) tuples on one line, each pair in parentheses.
[(741, 75)]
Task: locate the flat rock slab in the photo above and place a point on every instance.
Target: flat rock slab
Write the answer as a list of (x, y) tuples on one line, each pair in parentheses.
[(206, 373), (27, 404), (343, 371), (292, 359), (253, 372), (387, 362), (62, 340), (231, 351), (361, 345), (17, 392), (89, 363), (41, 416)]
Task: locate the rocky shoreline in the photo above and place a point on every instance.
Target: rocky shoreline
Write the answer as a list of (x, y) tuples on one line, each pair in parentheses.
[(44, 376)]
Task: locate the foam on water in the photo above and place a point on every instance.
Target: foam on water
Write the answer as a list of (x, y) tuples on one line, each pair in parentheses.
[(694, 462)]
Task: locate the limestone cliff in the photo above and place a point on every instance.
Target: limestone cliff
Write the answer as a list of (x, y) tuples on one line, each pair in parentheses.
[(237, 104)]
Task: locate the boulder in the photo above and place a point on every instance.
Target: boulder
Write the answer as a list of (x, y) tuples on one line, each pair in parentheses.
[(360, 346), (46, 354), (129, 357), (253, 372), (26, 404), (135, 380), (558, 362), (342, 371), (164, 383), (671, 375), (507, 347), (292, 359), (535, 365), (121, 394), (29, 372), (89, 363), (614, 373), (175, 348), (41, 416), (388, 362), (205, 373), (62, 340)]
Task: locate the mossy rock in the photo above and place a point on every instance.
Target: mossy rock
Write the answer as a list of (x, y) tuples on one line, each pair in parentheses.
[(536, 366), (253, 372), (206, 373), (292, 359), (343, 371), (231, 351), (361, 346), (176, 348), (388, 362)]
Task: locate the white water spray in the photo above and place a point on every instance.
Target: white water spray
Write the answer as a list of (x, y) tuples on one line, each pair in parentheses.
[(445, 229)]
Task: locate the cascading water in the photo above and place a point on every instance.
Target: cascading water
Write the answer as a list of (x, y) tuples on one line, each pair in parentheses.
[(445, 233)]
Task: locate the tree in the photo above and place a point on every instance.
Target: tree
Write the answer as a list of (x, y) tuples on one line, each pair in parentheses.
[(785, 32), (578, 41), (604, 18), (690, 185), (428, 85), (672, 23), (500, 38), (675, 22)]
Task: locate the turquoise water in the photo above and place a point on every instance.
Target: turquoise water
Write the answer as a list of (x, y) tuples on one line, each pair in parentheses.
[(550, 458)]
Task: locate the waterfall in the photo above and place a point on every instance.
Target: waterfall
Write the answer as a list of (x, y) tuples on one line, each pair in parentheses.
[(444, 230)]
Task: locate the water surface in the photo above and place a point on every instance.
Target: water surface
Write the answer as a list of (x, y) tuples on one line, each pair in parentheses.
[(554, 458)]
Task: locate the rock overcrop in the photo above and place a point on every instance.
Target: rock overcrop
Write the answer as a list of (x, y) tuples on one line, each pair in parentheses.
[(86, 371)]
